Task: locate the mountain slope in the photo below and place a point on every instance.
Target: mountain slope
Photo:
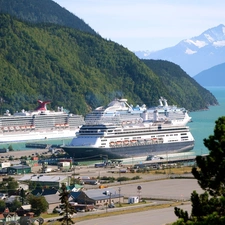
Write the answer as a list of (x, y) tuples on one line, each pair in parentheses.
[(175, 79), (214, 76), (195, 54), (77, 70), (43, 11)]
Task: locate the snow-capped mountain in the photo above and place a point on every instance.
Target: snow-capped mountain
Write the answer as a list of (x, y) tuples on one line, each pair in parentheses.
[(195, 54)]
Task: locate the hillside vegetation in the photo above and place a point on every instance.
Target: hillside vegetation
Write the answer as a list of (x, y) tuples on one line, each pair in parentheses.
[(80, 71), (177, 81), (43, 11)]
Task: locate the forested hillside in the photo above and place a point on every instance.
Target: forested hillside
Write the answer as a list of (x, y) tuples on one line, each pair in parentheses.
[(79, 71), (177, 81), (43, 11)]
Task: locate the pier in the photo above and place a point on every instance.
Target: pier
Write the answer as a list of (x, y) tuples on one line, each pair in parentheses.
[(37, 145), (167, 161)]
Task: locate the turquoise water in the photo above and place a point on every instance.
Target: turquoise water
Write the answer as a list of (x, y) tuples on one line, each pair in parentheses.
[(21, 145), (204, 121), (202, 126)]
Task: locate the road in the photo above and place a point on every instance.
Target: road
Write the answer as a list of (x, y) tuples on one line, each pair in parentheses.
[(151, 217)]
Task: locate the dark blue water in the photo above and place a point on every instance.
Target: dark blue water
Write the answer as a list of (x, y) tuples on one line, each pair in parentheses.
[(202, 126)]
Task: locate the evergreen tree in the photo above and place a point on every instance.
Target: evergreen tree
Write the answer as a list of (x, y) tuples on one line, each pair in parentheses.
[(209, 207), (2, 206), (22, 196), (67, 209)]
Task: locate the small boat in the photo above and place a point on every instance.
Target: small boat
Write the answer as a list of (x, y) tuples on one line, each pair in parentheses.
[(112, 143), (126, 142)]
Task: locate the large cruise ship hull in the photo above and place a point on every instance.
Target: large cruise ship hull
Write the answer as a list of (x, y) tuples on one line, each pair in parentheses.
[(37, 135), (84, 153)]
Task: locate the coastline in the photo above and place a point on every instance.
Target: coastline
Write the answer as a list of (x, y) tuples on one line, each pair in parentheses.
[(20, 153)]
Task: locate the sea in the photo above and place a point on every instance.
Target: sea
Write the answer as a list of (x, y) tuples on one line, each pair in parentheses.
[(202, 125)]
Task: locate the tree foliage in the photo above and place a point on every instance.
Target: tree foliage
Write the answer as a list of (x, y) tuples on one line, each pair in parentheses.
[(9, 185), (38, 204), (43, 11), (80, 71), (209, 207), (16, 204), (2, 206), (67, 209)]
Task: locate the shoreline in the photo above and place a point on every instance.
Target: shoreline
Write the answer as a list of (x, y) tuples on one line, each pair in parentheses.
[(20, 153)]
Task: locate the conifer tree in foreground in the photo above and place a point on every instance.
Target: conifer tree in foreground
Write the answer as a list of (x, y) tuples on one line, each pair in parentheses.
[(67, 209), (208, 208)]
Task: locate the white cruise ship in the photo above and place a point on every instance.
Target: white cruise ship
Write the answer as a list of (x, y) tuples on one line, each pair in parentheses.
[(39, 124), (122, 131)]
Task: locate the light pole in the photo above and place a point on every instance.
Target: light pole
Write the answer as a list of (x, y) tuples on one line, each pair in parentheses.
[(119, 195), (139, 192)]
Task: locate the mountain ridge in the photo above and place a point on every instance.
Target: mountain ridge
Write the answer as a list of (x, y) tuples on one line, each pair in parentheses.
[(215, 76), (80, 71), (43, 11), (194, 54)]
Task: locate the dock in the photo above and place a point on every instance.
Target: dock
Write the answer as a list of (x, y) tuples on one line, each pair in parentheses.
[(37, 145), (170, 161)]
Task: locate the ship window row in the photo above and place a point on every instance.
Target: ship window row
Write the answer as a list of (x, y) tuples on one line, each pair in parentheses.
[(144, 131), (126, 133), (152, 130), (172, 140)]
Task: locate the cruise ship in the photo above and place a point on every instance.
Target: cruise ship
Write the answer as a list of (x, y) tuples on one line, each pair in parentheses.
[(122, 131), (39, 124)]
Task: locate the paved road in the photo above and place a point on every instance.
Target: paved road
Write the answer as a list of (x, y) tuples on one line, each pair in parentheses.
[(151, 217), (165, 189)]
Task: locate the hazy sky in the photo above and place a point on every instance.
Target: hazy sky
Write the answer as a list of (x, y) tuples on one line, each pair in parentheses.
[(148, 24)]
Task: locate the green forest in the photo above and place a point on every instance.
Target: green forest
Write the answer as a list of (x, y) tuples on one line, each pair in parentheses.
[(80, 70)]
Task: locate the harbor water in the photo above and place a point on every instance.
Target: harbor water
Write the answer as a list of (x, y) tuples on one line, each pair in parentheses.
[(204, 121), (202, 125)]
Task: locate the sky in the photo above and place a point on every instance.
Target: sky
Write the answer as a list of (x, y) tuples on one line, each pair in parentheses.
[(148, 25)]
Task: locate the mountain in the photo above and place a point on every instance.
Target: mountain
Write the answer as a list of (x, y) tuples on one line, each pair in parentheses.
[(82, 71), (214, 76), (43, 11), (195, 54)]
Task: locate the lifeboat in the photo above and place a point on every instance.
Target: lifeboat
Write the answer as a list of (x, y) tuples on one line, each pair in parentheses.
[(57, 125), (22, 127), (17, 128), (11, 128), (126, 142), (112, 143), (5, 128), (119, 142), (61, 125), (32, 127), (134, 141), (66, 125)]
